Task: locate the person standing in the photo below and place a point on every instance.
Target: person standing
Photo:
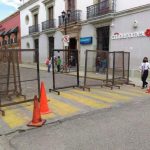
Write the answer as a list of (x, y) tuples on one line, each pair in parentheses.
[(58, 64), (144, 72), (48, 63)]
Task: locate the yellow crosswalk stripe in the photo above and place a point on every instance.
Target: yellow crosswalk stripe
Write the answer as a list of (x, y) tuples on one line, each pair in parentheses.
[(62, 108), (14, 118), (85, 101), (107, 98), (129, 93), (29, 106), (113, 95)]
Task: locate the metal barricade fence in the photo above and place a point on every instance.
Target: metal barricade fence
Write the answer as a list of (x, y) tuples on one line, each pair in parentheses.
[(95, 72), (121, 67), (106, 68), (65, 69), (19, 76)]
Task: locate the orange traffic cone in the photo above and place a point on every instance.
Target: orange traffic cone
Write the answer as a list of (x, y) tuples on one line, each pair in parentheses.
[(43, 101), (148, 90), (37, 121)]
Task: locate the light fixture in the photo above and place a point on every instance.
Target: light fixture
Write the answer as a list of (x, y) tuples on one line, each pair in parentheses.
[(63, 14), (135, 24)]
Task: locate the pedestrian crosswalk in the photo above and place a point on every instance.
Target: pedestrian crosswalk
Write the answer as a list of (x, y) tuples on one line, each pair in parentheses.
[(83, 100), (70, 102)]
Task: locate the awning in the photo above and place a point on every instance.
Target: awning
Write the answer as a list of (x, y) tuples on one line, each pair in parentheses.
[(6, 32), (14, 30), (2, 33)]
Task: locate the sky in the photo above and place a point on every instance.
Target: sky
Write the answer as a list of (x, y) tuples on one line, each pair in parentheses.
[(8, 7)]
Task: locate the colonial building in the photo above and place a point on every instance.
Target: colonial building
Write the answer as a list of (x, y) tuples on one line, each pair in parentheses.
[(109, 25), (43, 26), (119, 25), (10, 32)]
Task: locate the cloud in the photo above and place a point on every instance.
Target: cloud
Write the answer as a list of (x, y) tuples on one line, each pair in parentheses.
[(13, 3)]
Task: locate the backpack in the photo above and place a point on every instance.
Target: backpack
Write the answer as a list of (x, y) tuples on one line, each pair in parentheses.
[(47, 62)]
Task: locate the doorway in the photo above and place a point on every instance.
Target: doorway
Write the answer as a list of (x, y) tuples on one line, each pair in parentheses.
[(103, 38), (73, 54)]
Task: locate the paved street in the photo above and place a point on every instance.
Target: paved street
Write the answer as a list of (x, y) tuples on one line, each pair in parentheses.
[(70, 102), (71, 106), (124, 127)]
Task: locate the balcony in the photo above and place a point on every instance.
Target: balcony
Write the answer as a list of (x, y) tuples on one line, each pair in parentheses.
[(75, 16), (49, 24), (99, 9), (34, 29)]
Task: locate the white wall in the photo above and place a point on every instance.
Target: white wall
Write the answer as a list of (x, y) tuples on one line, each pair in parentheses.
[(58, 43), (27, 56), (26, 11), (138, 47), (43, 47), (86, 31), (127, 4), (58, 8)]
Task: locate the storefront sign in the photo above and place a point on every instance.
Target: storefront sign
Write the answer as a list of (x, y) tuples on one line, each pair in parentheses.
[(118, 36), (86, 40)]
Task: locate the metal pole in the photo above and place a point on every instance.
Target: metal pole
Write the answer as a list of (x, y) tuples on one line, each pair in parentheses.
[(78, 84), (107, 68), (38, 70), (128, 67), (85, 69), (53, 65), (123, 65), (113, 77), (65, 46), (65, 26)]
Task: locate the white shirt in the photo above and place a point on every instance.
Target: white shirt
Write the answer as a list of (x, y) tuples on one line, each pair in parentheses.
[(145, 66)]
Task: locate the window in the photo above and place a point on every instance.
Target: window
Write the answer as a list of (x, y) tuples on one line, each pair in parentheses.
[(27, 19), (28, 45), (50, 13), (35, 19)]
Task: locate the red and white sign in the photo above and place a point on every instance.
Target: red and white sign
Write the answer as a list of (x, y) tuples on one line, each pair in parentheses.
[(66, 38)]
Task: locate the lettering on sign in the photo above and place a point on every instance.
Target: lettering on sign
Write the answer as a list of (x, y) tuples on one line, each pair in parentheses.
[(118, 36)]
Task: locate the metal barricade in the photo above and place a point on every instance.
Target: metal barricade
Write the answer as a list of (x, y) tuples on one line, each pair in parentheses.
[(65, 69), (103, 68), (19, 76)]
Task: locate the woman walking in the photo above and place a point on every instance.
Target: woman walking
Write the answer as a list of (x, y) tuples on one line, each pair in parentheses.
[(144, 71)]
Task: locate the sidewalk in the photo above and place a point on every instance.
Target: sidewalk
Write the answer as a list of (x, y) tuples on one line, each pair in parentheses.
[(136, 80)]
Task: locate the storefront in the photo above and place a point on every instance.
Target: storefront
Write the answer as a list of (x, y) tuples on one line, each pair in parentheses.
[(131, 33), (10, 32)]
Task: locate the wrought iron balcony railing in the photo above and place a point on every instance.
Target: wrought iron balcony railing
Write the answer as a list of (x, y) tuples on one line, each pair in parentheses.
[(99, 9), (48, 24), (34, 29), (75, 16)]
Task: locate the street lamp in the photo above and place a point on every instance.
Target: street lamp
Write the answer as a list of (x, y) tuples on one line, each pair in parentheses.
[(65, 17)]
